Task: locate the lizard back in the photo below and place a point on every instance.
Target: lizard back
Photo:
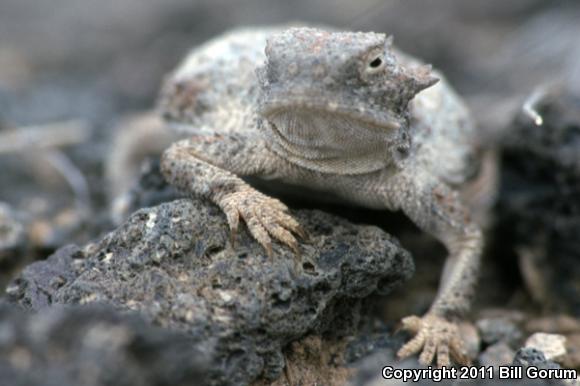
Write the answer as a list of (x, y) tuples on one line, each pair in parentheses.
[(215, 89)]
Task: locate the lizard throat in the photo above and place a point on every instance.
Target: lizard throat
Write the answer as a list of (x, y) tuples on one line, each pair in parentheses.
[(330, 142)]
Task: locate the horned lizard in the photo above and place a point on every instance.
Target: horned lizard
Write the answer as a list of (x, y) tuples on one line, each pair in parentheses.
[(341, 112)]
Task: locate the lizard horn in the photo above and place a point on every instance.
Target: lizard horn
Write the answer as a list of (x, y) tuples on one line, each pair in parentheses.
[(423, 77)]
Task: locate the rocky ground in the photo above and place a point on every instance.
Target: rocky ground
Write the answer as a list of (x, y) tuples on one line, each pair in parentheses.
[(161, 298)]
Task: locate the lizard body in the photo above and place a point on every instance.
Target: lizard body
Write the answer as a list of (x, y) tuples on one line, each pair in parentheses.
[(339, 112)]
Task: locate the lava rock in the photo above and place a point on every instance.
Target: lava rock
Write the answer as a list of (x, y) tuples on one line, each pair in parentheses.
[(367, 343), (367, 371), (499, 329), (93, 346), (539, 201), (498, 354), (532, 357), (174, 265), (529, 356), (373, 348)]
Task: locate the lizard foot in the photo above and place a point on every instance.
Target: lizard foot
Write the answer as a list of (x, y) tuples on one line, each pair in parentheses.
[(434, 335), (265, 217)]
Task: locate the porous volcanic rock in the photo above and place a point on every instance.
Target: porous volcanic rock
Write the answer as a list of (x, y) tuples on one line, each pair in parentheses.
[(174, 264)]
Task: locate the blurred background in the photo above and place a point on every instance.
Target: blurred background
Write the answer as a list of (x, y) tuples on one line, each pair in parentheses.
[(62, 59), (71, 70), (73, 73)]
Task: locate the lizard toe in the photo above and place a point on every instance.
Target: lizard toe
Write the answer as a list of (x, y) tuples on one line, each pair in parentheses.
[(458, 352), (266, 218), (430, 347), (233, 218), (436, 337), (411, 323), (443, 355), (284, 236), (257, 229), (412, 347)]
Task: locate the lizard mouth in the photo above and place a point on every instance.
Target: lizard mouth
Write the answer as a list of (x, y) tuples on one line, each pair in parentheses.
[(323, 131), (370, 118), (319, 137)]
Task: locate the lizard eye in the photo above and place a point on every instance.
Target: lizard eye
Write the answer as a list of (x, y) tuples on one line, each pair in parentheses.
[(376, 63)]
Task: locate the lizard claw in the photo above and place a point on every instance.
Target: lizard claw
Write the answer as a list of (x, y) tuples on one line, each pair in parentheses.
[(434, 336), (266, 218)]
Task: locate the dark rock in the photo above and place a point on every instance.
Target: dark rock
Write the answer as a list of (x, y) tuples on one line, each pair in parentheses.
[(529, 356), (539, 203), (498, 354), (367, 372), (174, 265), (93, 346), (493, 330), (366, 344), (370, 351)]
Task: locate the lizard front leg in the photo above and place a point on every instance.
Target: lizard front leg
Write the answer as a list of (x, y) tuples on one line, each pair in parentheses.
[(437, 209), (209, 166)]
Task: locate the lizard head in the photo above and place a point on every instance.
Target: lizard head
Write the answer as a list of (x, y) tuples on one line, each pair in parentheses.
[(337, 98)]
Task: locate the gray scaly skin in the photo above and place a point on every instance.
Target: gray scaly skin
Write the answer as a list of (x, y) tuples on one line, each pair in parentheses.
[(336, 111)]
